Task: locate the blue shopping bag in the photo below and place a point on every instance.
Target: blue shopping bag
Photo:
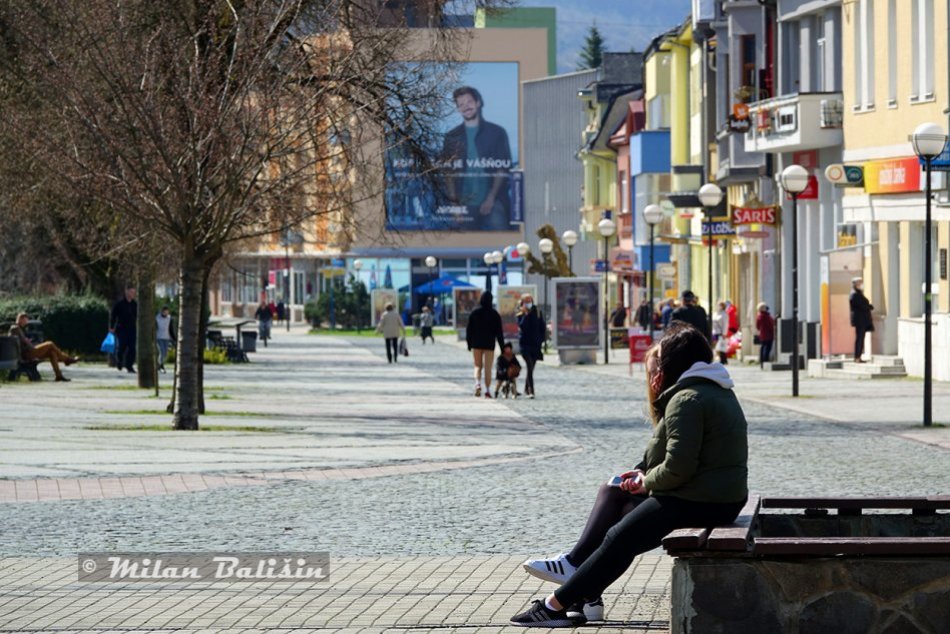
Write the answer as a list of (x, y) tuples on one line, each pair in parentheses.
[(108, 344)]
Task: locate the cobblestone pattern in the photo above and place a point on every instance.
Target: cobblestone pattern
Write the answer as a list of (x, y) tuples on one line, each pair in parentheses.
[(381, 594)]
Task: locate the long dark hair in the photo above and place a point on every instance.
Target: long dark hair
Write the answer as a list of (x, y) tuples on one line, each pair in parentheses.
[(682, 345)]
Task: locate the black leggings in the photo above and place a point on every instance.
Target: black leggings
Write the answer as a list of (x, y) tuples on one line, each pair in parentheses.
[(529, 362), (627, 526), (392, 343)]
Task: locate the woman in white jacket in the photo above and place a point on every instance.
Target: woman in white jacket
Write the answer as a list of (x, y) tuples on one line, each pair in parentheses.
[(390, 324)]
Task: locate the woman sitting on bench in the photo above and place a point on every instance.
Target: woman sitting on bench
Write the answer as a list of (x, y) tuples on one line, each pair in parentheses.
[(693, 474), (46, 351)]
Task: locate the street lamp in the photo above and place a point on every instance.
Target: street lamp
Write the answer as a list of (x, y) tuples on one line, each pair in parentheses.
[(488, 259), (524, 250), (570, 239), (430, 262), (357, 265), (607, 227), (710, 196), (653, 215), (794, 181), (928, 140), (546, 246)]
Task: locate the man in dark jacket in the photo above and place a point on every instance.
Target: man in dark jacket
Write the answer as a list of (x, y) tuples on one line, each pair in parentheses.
[(692, 314), (860, 317), (481, 333), (122, 322), (477, 157)]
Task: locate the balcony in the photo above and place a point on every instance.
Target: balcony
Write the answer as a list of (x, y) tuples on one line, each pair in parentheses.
[(804, 121)]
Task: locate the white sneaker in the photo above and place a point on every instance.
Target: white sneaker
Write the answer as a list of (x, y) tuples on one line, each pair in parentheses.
[(478, 389), (557, 570), (593, 611)]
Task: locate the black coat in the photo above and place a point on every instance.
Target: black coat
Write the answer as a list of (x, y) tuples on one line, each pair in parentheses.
[(693, 315), (861, 311), (124, 315), (531, 332), (484, 329)]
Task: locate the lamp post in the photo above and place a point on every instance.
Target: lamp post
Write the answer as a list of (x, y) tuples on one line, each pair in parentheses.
[(430, 263), (710, 196), (357, 265), (653, 215), (524, 250), (488, 259), (569, 238), (928, 140), (546, 246), (607, 228), (794, 181)]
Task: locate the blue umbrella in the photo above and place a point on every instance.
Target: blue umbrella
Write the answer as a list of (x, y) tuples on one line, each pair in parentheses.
[(388, 279), (440, 285)]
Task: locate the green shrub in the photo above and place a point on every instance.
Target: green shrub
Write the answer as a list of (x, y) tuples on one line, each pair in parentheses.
[(77, 323), (350, 304)]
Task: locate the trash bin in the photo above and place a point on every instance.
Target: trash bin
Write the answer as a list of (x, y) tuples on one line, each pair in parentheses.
[(249, 341)]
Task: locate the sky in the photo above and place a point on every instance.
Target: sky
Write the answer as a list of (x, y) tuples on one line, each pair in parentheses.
[(624, 24)]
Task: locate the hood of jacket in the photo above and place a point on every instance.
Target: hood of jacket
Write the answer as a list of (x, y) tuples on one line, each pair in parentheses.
[(699, 372)]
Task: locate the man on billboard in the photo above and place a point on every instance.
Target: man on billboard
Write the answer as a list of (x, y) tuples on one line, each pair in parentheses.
[(477, 157)]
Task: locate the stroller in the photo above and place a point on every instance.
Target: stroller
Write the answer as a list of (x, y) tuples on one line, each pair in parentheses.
[(507, 370)]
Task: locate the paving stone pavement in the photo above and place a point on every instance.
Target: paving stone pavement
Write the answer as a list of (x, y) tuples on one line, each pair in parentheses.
[(426, 515)]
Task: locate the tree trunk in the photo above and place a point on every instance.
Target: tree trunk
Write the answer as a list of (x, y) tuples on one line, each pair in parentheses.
[(189, 349), (203, 336), (145, 353)]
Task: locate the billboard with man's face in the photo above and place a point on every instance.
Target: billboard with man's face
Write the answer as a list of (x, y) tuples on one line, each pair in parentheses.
[(474, 153)]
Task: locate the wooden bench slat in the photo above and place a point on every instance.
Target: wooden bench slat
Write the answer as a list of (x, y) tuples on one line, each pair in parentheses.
[(929, 502), (851, 546), (736, 537), (686, 539)]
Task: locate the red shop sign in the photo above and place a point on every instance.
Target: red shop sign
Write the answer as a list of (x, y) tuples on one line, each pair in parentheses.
[(754, 216)]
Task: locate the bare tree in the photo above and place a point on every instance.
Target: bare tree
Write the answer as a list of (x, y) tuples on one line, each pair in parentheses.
[(207, 122)]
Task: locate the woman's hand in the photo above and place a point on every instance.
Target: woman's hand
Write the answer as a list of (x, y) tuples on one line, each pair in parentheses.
[(633, 482)]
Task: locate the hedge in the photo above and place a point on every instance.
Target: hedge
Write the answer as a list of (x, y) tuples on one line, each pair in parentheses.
[(77, 323)]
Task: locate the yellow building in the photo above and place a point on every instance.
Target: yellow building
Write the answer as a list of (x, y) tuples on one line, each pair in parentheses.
[(895, 78)]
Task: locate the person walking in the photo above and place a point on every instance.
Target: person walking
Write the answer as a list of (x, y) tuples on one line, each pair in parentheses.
[(531, 334), (694, 473), (391, 326), (691, 313), (46, 351), (265, 319), (765, 333), (619, 317), (733, 317), (425, 324), (644, 315), (281, 311), (483, 330), (720, 332), (122, 322), (861, 319), (164, 335), (666, 313)]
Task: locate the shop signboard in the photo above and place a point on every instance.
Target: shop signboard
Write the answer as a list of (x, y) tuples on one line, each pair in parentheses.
[(766, 215), (892, 176), (576, 305)]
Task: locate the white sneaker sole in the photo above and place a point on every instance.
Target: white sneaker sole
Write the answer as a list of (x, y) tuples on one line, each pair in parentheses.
[(546, 575)]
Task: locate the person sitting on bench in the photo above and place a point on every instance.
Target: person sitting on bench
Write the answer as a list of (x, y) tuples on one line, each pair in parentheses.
[(693, 474), (46, 351)]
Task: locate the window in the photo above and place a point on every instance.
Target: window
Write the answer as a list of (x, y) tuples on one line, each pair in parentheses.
[(864, 55), (922, 19), (892, 53), (819, 82), (624, 194), (747, 72)]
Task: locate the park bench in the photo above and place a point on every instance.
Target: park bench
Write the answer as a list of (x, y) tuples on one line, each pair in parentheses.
[(815, 564), (13, 363)]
